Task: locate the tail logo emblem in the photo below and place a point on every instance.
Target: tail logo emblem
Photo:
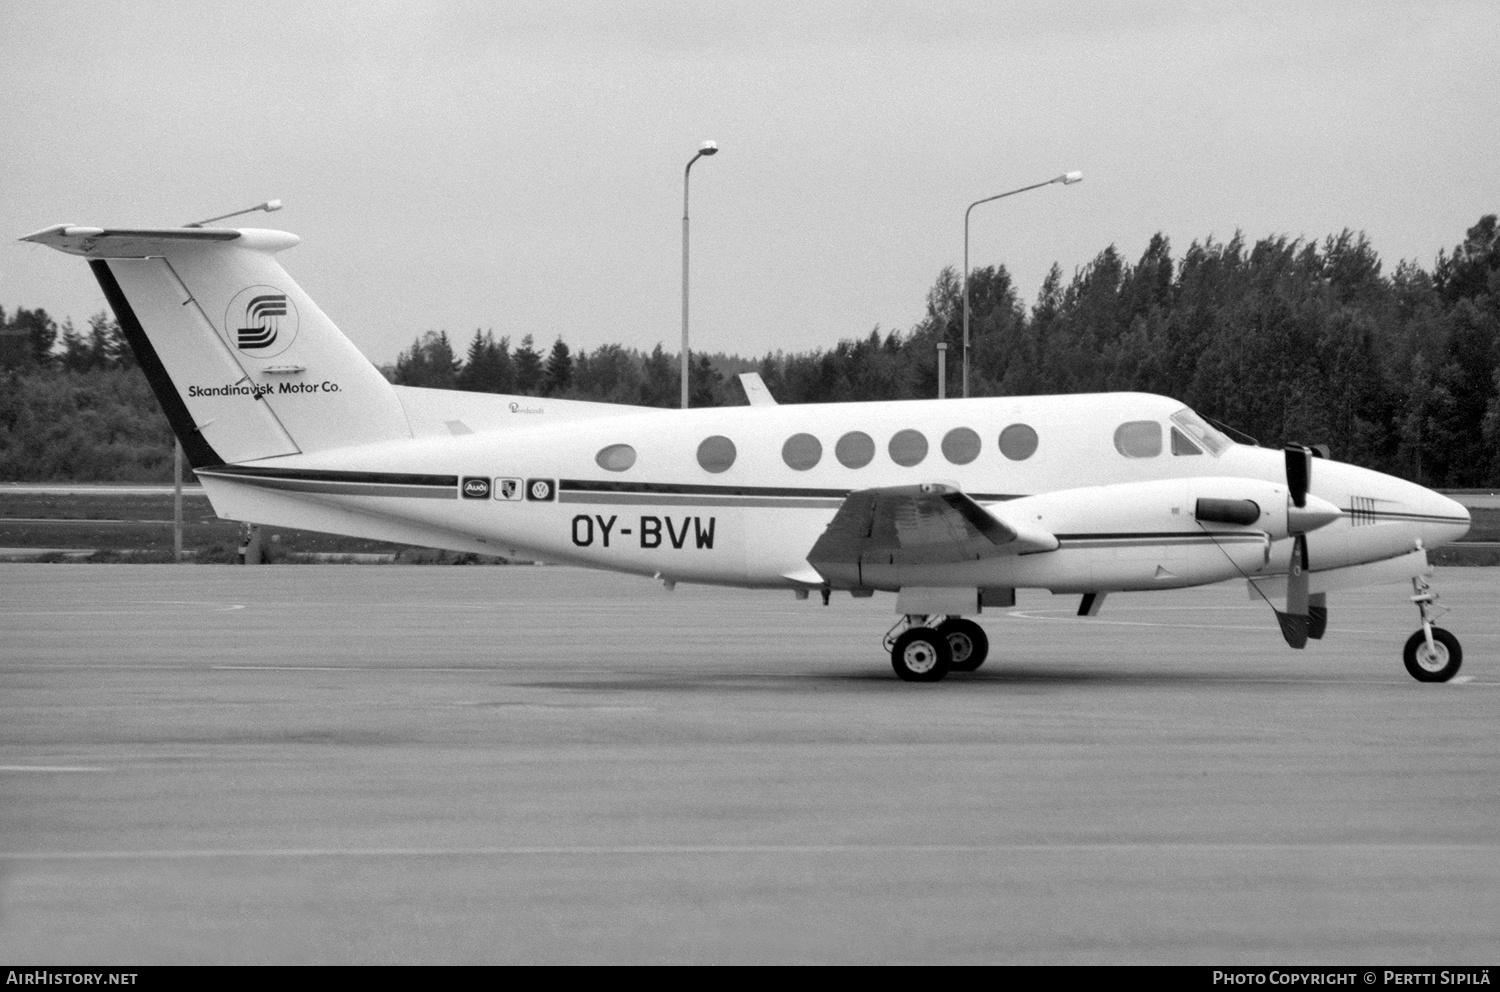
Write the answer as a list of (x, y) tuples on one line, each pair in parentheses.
[(262, 321)]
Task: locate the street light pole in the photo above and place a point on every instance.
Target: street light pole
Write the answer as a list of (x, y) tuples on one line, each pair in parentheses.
[(1067, 179), (707, 148)]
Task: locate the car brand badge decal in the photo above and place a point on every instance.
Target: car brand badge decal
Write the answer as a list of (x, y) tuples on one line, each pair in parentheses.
[(540, 490), (508, 489), (475, 487)]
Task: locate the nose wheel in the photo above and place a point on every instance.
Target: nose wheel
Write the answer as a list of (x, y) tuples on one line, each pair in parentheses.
[(1432, 654), (1435, 662)]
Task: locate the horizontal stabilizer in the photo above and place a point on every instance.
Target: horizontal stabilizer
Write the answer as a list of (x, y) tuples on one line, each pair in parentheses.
[(105, 242)]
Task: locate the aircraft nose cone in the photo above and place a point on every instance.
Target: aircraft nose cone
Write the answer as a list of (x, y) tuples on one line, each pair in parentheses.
[(1450, 517), (1317, 513)]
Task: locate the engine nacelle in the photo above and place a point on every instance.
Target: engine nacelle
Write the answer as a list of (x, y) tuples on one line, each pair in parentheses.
[(1152, 535), (1217, 504)]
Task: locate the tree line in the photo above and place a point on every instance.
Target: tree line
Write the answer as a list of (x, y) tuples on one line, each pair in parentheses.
[(1282, 340)]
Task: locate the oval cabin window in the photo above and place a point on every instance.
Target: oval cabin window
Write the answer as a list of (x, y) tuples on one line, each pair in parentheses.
[(716, 453), (961, 445), (1138, 439), (908, 447), (616, 457), (1018, 442), (802, 452), (855, 449)]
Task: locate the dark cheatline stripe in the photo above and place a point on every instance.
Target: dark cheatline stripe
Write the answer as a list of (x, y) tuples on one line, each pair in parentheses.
[(764, 495), (1130, 539), (1390, 515), (330, 482), (679, 489), (338, 475), (200, 454), (645, 499)]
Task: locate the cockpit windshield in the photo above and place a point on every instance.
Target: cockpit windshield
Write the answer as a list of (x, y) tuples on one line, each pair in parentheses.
[(1198, 429)]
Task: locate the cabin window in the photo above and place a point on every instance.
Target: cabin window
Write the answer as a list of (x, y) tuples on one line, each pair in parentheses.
[(908, 447), (855, 449), (802, 452), (716, 453), (1018, 442), (1138, 439), (961, 445), (616, 457), (1182, 446)]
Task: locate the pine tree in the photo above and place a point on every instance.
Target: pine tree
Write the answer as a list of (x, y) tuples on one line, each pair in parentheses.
[(528, 366), (559, 374), (660, 380), (487, 369), (705, 382)]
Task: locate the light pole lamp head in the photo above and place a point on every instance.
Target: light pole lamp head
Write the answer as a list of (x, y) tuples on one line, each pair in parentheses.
[(708, 148), (1069, 178)]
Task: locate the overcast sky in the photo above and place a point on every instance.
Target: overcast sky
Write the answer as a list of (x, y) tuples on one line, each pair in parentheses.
[(518, 166)]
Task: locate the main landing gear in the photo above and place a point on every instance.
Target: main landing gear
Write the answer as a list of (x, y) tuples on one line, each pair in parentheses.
[(1432, 654), (931, 647)]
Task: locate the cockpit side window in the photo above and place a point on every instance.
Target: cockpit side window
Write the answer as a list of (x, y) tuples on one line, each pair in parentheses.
[(1138, 439), (1182, 446), (1202, 435)]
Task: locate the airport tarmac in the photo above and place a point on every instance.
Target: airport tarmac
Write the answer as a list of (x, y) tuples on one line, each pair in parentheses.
[(369, 764)]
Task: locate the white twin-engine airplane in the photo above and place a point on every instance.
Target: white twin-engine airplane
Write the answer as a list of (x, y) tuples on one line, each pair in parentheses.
[(950, 504)]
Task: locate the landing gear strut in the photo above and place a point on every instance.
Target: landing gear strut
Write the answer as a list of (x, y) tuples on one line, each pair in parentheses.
[(1432, 654), (922, 652)]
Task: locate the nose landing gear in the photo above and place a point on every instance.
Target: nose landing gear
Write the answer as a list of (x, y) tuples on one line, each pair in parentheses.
[(1432, 654)]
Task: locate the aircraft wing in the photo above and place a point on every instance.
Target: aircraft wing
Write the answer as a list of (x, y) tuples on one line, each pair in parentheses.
[(928, 524)]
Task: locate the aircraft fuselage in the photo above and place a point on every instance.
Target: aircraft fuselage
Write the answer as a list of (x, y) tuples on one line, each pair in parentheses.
[(746, 511)]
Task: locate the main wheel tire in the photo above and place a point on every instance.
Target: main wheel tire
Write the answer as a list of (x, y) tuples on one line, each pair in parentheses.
[(921, 655), (966, 642), (1436, 664)]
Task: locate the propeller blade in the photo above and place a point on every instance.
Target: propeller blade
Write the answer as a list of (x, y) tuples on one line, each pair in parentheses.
[(1317, 615), (1294, 629), (1296, 622), (1298, 473)]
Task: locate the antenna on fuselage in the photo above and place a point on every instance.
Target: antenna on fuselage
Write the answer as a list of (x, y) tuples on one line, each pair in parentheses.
[(269, 207)]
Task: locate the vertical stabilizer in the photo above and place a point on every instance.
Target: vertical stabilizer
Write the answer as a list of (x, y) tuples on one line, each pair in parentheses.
[(243, 361)]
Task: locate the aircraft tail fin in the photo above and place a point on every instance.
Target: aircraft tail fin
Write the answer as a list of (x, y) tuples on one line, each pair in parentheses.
[(242, 361)]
